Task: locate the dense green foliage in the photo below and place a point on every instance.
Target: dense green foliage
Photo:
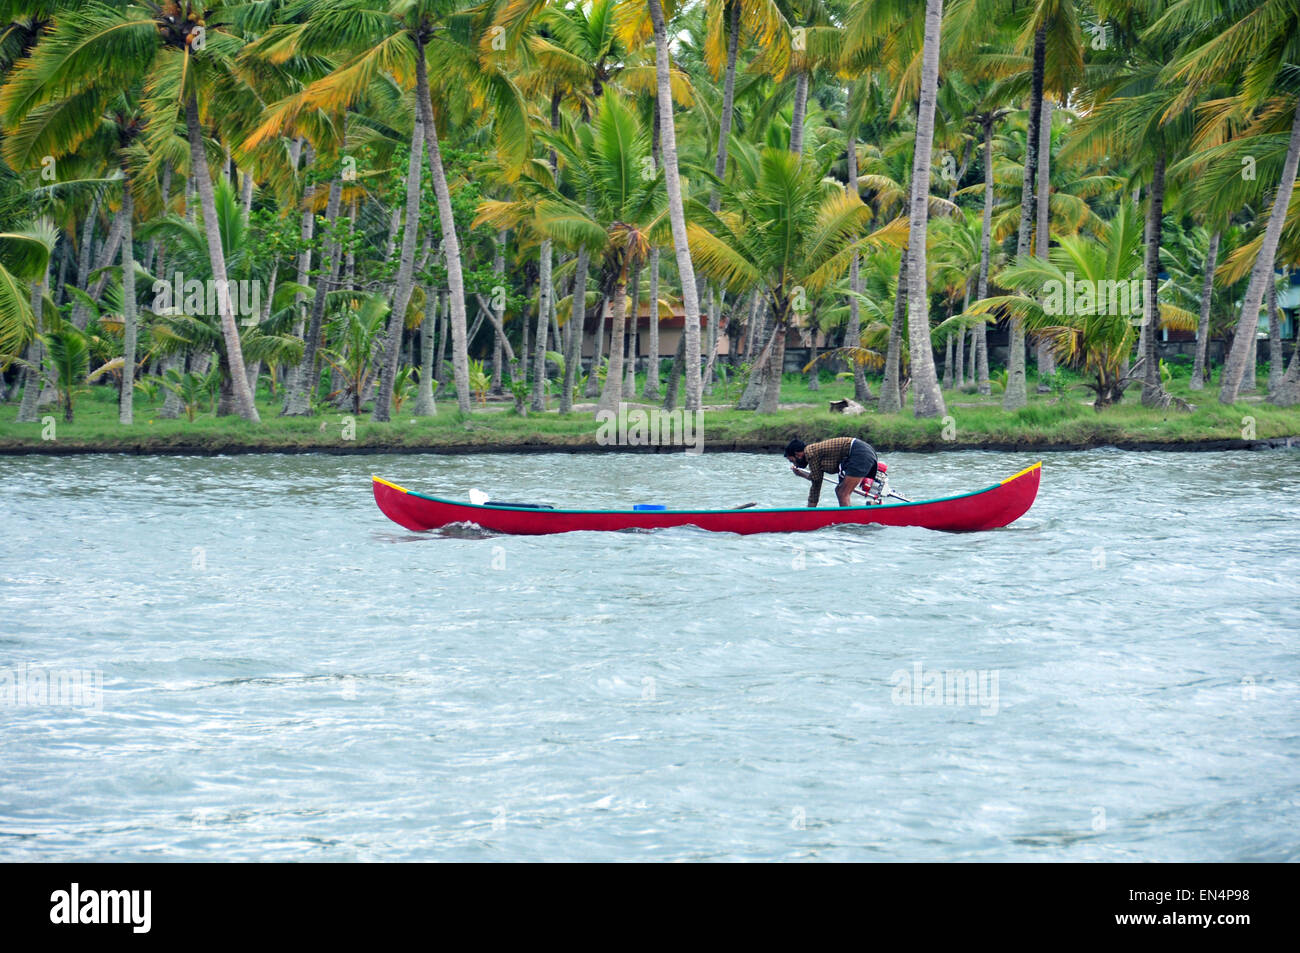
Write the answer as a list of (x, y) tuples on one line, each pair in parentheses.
[(403, 201)]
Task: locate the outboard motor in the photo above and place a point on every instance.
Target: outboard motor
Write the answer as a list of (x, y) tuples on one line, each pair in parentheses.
[(877, 487)]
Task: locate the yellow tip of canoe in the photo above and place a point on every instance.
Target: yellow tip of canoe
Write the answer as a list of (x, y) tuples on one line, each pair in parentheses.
[(399, 489), (1032, 466)]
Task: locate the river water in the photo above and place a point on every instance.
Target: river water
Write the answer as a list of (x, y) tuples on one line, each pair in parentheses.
[(270, 670)]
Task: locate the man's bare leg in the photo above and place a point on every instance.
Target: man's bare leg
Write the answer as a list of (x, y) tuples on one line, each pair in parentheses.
[(844, 490)]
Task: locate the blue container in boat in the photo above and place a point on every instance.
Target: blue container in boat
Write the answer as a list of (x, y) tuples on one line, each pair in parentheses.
[(648, 506)]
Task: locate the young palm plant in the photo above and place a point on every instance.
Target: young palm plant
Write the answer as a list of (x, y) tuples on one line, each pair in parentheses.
[(70, 359), (1086, 298), (792, 234)]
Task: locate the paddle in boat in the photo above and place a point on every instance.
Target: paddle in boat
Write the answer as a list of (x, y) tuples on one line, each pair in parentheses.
[(989, 508)]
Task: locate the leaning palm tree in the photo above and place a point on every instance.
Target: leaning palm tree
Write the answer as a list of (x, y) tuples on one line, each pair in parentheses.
[(1256, 43), (793, 233), (182, 54)]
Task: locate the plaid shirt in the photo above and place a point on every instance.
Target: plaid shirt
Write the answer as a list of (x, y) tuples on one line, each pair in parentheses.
[(825, 457)]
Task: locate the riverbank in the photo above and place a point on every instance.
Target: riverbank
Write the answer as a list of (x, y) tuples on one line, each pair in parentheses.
[(1049, 423)]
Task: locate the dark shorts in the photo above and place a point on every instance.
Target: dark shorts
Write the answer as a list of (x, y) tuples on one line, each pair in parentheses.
[(861, 461)]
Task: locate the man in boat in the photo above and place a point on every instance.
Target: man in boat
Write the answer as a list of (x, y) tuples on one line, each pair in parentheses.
[(851, 458)]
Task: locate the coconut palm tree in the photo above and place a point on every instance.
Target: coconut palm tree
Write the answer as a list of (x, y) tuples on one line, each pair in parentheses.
[(676, 206), (1257, 44), (792, 234), (183, 55), (188, 324), (622, 213), (916, 63), (399, 37)]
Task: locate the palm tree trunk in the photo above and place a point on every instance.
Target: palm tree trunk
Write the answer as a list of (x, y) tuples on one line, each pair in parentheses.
[(27, 409), (853, 334), (424, 402), (87, 243), (556, 344), (651, 390), (891, 394), (961, 359), (306, 229), (979, 333), (1203, 326), (1042, 237), (1016, 395), (298, 394), (31, 383), (405, 280), (751, 327), (629, 358), (728, 102), (255, 369), (756, 386), (1153, 394), (927, 399), (126, 399), (350, 257), (814, 372), (652, 378), (543, 322), (947, 363), (444, 327), (107, 252), (498, 357), (1248, 382), (677, 213), (597, 352), (1235, 367), (171, 405), (715, 316), (243, 397), (800, 111), (771, 400), (575, 327), (675, 374), (612, 394), (1276, 369), (450, 240)]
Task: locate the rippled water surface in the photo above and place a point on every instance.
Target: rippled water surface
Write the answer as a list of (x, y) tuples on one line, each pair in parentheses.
[(286, 675)]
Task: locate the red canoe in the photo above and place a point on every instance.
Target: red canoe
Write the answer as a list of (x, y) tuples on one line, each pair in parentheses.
[(994, 506)]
